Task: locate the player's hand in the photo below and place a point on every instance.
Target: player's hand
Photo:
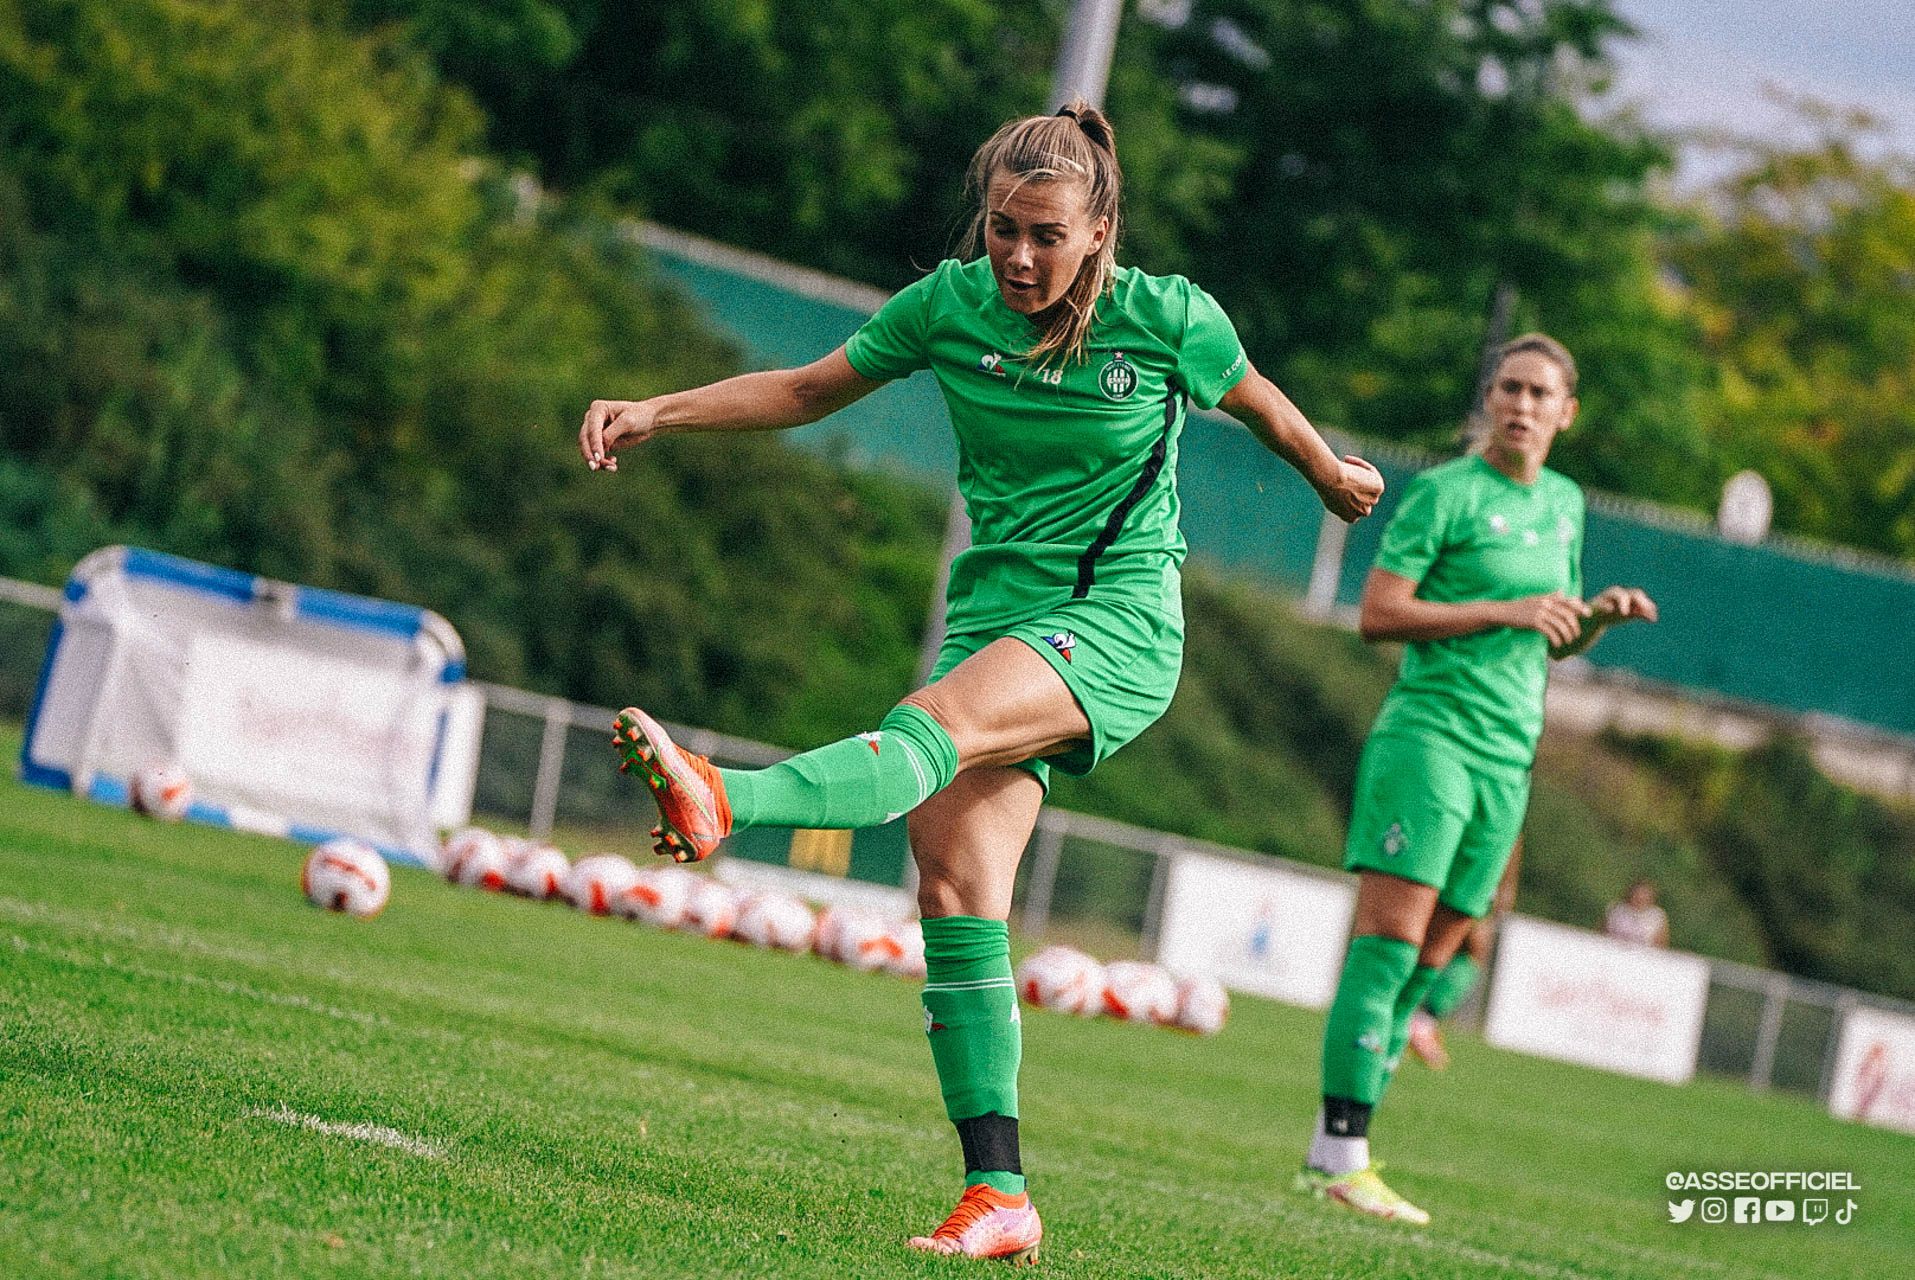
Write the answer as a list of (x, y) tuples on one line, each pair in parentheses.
[(1622, 604), (1353, 492), (1558, 617), (610, 423)]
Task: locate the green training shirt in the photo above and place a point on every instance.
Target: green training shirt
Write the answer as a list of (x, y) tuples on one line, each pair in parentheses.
[(1067, 469), (1465, 531)]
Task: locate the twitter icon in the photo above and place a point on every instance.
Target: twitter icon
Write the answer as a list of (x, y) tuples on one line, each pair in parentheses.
[(1681, 1212)]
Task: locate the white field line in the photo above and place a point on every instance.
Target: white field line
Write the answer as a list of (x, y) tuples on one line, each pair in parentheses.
[(375, 1133)]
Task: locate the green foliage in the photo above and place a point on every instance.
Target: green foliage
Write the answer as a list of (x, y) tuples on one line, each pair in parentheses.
[(1827, 873), (262, 303), (1801, 272)]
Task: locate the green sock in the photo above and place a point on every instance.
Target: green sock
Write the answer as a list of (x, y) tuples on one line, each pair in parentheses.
[(1422, 978), (860, 782), (971, 1019), (1356, 1038), (1453, 987)]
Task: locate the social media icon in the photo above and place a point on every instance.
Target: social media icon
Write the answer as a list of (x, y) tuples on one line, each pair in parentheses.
[(1779, 1211), (1814, 1211), (1748, 1208), (1715, 1209), (1846, 1213), (1681, 1212)]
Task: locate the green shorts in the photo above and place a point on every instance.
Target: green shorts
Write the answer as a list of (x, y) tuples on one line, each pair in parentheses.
[(1120, 660), (1423, 812)]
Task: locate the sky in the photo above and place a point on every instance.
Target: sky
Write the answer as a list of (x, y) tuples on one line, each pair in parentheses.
[(1703, 64)]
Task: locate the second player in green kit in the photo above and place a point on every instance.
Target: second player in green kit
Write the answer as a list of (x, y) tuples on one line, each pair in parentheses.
[(1480, 573), (1067, 379)]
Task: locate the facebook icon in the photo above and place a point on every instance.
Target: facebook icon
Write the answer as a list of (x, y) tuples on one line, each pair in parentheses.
[(1748, 1209)]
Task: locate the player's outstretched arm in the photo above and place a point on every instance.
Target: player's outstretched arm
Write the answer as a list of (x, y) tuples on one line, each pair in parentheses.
[(1391, 611), (1348, 486), (772, 399), (1610, 606)]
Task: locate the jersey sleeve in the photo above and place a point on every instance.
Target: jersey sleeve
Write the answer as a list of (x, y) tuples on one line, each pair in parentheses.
[(894, 342), (1414, 537), (1210, 360)]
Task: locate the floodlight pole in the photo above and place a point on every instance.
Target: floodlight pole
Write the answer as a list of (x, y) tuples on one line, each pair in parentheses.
[(1083, 71)]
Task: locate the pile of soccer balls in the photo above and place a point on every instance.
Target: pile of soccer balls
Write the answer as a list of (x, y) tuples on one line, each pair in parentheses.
[(1068, 981), (668, 896), (349, 875)]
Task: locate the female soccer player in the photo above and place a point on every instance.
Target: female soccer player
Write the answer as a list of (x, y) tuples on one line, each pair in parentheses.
[(1480, 571), (1066, 378)]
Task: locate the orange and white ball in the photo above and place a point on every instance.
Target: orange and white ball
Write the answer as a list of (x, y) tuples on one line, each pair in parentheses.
[(537, 870), (1138, 991), (598, 880), (473, 845), (347, 875), (711, 908), (161, 791), (1203, 1006), (660, 896), (1062, 979), (772, 919), (907, 941)]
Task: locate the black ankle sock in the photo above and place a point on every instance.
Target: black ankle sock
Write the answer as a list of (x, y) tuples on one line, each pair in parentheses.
[(990, 1143), (1346, 1117)]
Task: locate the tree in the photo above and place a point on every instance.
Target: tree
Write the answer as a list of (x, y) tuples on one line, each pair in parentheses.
[(1800, 271)]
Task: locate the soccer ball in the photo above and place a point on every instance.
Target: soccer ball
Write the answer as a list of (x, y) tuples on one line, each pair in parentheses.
[(598, 880), (659, 896), (483, 864), (1138, 991), (161, 791), (711, 908), (346, 875), (859, 939), (1062, 979), (1203, 1006), (775, 920), (465, 845), (908, 937), (537, 870), (830, 931)]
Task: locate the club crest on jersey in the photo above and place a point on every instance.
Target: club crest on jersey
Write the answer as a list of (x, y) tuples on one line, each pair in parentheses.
[(1118, 378), (992, 363), (1565, 530), (1499, 524), (874, 737), (1063, 642), (1394, 841)]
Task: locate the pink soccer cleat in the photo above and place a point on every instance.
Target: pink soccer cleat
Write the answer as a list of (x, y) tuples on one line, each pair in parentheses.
[(988, 1224), (1426, 1041), (692, 811)]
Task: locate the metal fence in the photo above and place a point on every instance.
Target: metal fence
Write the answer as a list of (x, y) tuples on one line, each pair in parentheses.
[(545, 768)]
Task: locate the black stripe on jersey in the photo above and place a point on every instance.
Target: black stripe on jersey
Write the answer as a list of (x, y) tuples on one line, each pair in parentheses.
[(1154, 464)]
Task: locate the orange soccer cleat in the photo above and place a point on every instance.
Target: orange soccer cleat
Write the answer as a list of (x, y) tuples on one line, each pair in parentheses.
[(693, 813), (988, 1224)]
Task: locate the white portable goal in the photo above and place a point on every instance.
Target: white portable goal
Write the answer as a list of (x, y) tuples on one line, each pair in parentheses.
[(292, 710)]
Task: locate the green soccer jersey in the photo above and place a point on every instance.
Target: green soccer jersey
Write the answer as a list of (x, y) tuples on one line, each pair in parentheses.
[(1067, 469), (1465, 531)]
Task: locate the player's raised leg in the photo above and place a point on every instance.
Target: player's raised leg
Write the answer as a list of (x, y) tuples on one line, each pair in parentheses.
[(967, 840), (1001, 705)]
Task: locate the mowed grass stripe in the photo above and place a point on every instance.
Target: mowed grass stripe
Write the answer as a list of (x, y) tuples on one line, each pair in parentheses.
[(612, 1100)]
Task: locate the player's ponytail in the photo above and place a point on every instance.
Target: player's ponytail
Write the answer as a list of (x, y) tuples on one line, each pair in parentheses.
[(1075, 145)]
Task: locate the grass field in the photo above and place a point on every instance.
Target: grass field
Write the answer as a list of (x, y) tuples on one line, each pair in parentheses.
[(200, 1075)]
